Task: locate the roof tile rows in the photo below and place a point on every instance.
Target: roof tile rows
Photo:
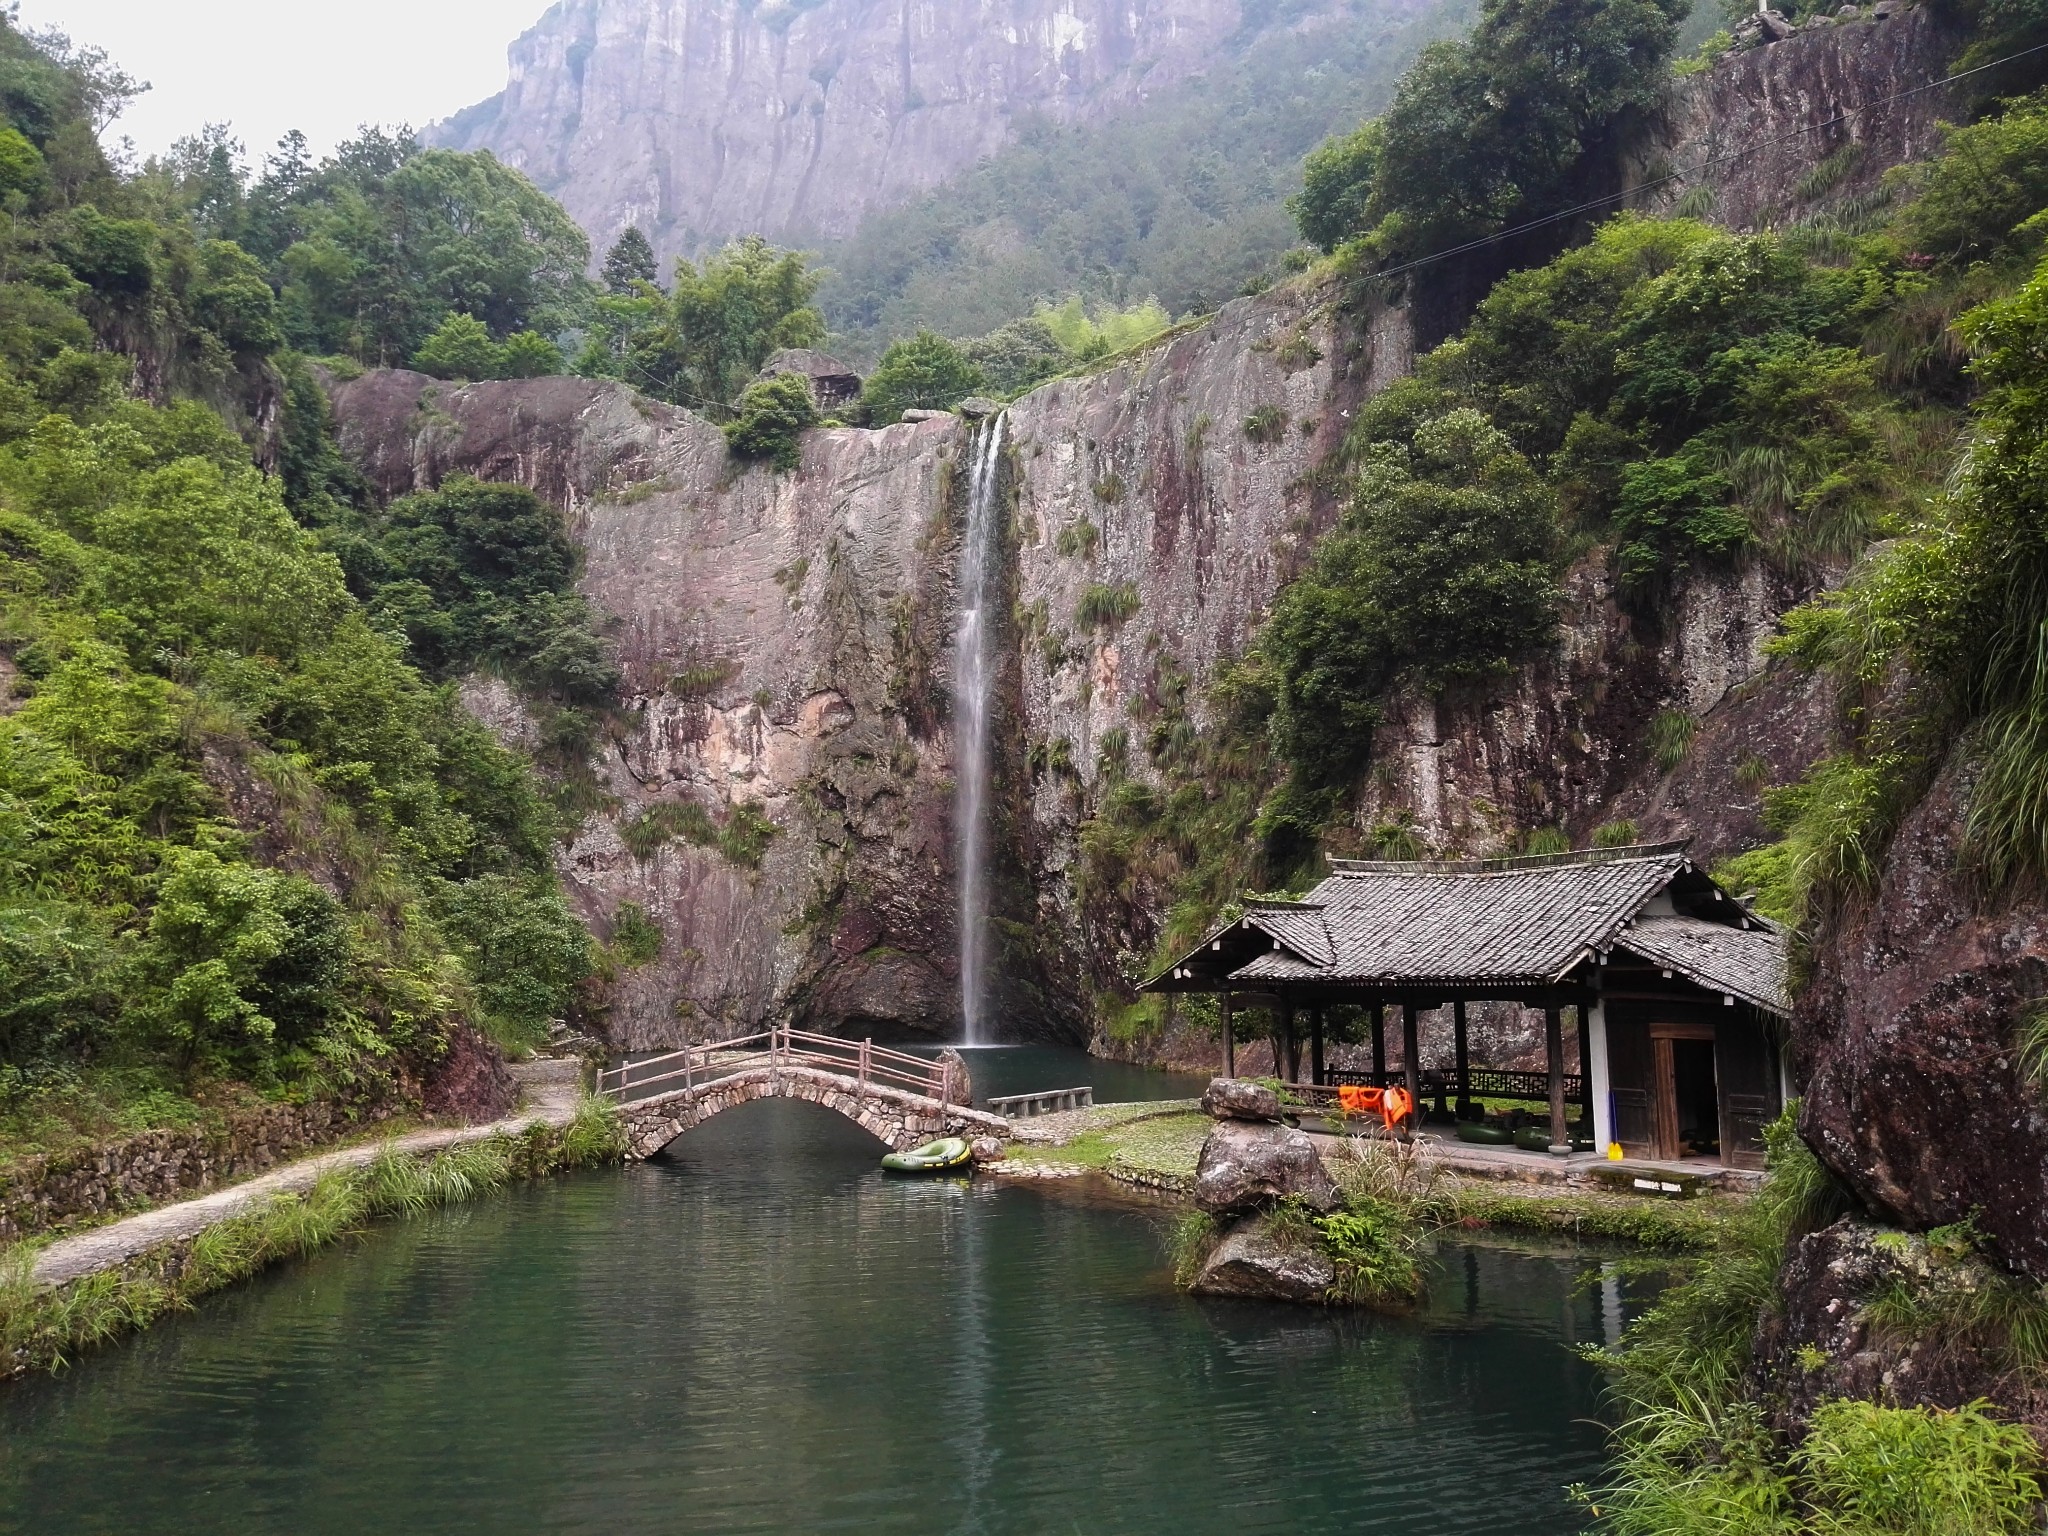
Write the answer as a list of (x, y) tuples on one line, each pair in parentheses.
[(1515, 926), (1750, 963), (1509, 923)]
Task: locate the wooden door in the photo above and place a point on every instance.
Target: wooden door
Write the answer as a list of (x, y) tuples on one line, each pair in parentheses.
[(1664, 1078), (1746, 1062), (1632, 1085)]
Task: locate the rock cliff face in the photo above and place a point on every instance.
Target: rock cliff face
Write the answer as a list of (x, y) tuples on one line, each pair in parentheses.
[(1914, 1093), (704, 119), (787, 639), (1777, 132)]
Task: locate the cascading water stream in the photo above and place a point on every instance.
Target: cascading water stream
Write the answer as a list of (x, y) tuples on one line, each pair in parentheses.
[(973, 683)]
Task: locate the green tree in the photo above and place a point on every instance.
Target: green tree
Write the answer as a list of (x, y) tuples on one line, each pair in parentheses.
[(628, 263), (771, 419), (1443, 572), (707, 340), (529, 355), (460, 348), (921, 372), (1494, 127)]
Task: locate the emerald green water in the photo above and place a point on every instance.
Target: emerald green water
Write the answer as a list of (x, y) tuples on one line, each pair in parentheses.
[(761, 1333)]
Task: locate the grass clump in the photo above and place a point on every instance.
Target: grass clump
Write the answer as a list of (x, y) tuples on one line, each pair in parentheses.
[(1106, 607), (742, 838)]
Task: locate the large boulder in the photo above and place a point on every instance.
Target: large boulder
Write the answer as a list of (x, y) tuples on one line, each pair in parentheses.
[(1248, 1262), (1235, 1098), (1247, 1167), (1826, 1343), (1916, 1095), (961, 1082)]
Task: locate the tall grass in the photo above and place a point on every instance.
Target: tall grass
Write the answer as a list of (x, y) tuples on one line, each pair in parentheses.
[(44, 1328)]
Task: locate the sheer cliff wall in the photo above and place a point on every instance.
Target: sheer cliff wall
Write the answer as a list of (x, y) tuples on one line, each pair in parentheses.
[(787, 638), (701, 120)]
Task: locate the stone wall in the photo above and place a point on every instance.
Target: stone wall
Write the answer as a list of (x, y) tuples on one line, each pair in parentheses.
[(45, 1192)]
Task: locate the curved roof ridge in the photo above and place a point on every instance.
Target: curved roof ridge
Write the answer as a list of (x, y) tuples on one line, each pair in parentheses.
[(1507, 862)]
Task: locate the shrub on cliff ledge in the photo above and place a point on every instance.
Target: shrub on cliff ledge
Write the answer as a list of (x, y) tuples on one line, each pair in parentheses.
[(771, 419)]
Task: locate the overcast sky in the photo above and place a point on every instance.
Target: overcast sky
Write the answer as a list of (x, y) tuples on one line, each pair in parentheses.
[(267, 66)]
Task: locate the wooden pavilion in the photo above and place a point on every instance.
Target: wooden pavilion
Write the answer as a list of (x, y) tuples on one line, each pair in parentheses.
[(1680, 989)]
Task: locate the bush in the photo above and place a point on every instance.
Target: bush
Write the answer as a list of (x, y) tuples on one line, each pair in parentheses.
[(771, 418), (922, 372), (460, 348), (1868, 1469)]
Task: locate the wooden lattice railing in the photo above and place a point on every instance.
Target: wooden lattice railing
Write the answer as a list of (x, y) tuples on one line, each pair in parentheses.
[(697, 1066)]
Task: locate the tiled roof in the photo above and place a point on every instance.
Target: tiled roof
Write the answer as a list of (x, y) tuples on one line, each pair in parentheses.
[(1505, 921), (1297, 925), (1750, 963)]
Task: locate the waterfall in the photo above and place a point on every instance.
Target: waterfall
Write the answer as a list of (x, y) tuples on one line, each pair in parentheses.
[(973, 683)]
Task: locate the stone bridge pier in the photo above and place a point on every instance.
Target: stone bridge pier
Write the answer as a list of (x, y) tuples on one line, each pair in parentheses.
[(899, 1119)]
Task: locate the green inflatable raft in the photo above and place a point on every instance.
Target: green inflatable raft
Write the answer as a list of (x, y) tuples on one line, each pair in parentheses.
[(933, 1157)]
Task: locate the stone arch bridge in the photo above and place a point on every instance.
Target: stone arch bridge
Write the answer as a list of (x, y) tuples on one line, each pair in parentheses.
[(902, 1100)]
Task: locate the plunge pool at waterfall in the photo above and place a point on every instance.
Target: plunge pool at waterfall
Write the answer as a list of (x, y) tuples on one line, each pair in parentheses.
[(759, 1332)]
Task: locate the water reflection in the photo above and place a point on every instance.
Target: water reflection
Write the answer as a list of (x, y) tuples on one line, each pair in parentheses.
[(761, 1333)]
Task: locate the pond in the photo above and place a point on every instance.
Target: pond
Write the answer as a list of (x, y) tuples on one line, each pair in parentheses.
[(760, 1332)]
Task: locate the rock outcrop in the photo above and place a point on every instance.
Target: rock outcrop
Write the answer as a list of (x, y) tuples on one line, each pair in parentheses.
[(1249, 1263), (1832, 1340), (1914, 1093), (701, 120), (1233, 1098), (1246, 1167)]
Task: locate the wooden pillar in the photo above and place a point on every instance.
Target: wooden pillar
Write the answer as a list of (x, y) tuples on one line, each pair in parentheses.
[(1290, 1048), (1315, 1038), (1229, 1038), (1411, 1057), (1464, 1055), (1553, 1036), (1379, 1045)]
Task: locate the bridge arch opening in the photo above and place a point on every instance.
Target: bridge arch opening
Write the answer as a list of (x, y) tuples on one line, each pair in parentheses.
[(774, 1131)]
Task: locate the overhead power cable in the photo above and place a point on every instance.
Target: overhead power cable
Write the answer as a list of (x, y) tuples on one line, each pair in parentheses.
[(1721, 159)]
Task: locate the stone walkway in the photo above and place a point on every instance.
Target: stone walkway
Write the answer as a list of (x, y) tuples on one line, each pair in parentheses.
[(550, 1091)]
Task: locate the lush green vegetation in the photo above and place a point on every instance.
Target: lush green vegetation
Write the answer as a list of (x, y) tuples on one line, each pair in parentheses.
[(1182, 197), (45, 1329), (1697, 1453), (704, 339), (246, 837), (368, 253), (1954, 601), (1515, 120)]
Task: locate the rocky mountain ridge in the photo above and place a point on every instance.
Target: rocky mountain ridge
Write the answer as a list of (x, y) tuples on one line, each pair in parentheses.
[(702, 120)]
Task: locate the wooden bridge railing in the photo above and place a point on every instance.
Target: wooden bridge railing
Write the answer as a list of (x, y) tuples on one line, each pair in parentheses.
[(696, 1066)]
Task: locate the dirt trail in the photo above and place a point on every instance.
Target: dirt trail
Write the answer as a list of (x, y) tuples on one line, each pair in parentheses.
[(549, 1094)]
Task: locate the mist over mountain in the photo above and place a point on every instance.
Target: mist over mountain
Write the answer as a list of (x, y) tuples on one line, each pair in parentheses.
[(702, 120)]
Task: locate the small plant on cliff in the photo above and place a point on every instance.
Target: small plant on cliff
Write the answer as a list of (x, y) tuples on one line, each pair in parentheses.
[(1106, 607), (1078, 539), (1615, 834), (1671, 734), (770, 421), (742, 838), (1267, 424), (636, 938)]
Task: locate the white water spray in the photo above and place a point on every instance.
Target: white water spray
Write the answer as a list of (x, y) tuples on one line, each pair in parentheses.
[(973, 683)]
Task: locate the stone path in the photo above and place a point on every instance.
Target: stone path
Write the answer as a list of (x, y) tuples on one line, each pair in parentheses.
[(550, 1091)]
